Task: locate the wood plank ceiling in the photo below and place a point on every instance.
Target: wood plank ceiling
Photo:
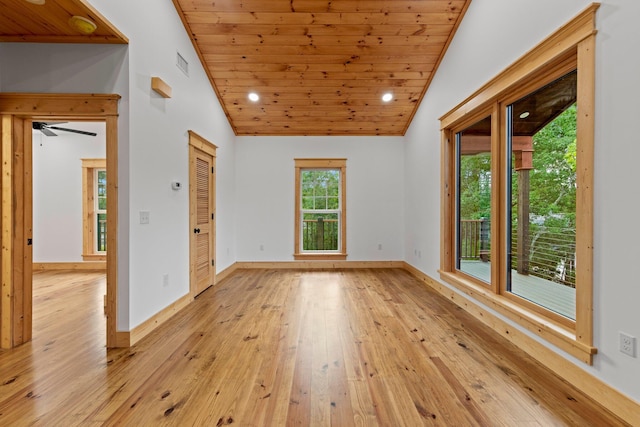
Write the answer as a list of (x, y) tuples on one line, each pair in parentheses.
[(320, 67), (24, 21)]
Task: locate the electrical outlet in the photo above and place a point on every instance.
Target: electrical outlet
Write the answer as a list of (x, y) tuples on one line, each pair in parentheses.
[(165, 280), (379, 246), (144, 217), (627, 344)]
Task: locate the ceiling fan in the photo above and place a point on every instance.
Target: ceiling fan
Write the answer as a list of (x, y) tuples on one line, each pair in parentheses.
[(45, 128)]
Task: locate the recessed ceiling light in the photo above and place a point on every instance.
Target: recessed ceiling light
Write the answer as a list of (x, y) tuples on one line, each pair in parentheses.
[(38, 2), (82, 25), (254, 97), (524, 115), (387, 97)]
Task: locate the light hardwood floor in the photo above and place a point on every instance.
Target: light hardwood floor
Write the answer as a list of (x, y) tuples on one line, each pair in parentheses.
[(279, 348)]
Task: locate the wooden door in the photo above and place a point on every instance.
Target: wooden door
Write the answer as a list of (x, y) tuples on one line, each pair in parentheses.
[(202, 214), (16, 235)]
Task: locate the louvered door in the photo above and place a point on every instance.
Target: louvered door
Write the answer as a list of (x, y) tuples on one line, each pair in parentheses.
[(202, 219)]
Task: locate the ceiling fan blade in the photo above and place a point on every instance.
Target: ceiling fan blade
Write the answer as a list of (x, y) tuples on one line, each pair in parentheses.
[(82, 132), (47, 132)]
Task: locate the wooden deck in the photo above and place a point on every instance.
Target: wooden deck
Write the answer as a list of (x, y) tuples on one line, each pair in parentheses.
[(281, 348), (551, 295)]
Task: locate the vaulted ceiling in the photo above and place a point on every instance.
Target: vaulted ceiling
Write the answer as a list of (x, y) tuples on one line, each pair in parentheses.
[(319, 67)]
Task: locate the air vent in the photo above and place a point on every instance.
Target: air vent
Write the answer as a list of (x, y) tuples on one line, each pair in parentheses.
[(182, 63)]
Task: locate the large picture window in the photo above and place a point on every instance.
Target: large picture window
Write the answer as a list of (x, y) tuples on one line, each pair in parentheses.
[(320, 209), (518, 156)]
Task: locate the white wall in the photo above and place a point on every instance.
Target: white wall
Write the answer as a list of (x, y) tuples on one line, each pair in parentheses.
[(152, 142), (57, 190), (158, 153), (493, 34), (265, 194)]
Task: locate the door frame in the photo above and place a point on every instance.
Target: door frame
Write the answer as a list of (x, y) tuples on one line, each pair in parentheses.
[(68, 107), (197, 142)]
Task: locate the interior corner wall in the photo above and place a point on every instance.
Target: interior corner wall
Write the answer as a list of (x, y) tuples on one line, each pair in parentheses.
[(265, 194), (158, 154), (493, 34), (57, 190)]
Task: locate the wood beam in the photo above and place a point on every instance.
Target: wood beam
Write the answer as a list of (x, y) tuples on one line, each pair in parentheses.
[(474, 144)]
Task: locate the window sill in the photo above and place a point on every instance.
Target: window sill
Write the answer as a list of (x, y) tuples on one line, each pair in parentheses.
[(550, 331), (94, 257), (320, 256)]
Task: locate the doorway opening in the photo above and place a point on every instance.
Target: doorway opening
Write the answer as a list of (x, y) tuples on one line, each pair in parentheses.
[(69, 230), (17, 114)]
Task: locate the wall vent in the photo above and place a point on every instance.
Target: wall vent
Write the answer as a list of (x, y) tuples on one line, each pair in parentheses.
[(182, 63)]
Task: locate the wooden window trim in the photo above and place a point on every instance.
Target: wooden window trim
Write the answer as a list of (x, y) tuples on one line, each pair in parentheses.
[(89, 167), (571, 46), (340, 164)]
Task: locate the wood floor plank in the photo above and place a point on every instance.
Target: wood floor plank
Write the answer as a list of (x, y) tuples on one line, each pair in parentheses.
[(281, 348)]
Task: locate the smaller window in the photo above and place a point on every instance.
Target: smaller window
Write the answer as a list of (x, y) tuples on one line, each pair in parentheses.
[(94, 208), (320, 226), (101, 211)]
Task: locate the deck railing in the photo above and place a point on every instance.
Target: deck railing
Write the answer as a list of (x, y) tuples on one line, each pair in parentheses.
[(551, 250), (320, 234), (552, 253), (474, 239)]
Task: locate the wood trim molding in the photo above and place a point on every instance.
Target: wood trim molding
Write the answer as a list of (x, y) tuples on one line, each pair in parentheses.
[(6, 233), (122, 339), (317, 265), (87, 265), (202, 143), (94, 163), (585, 160), (149, 325), (221, 275), (94, 257), (618, 403), (59, 105), (320, 257)]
